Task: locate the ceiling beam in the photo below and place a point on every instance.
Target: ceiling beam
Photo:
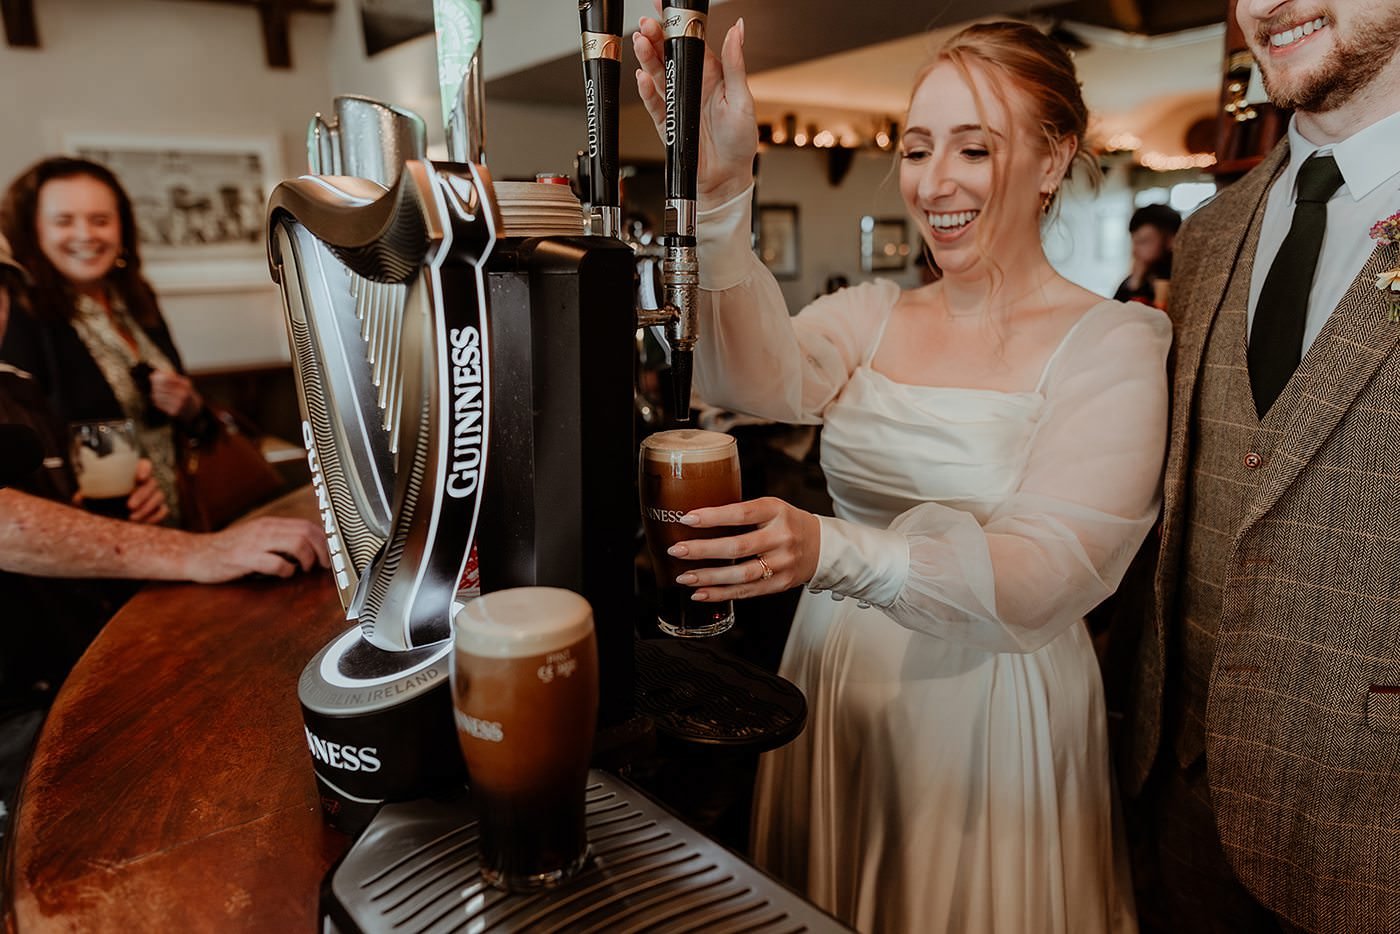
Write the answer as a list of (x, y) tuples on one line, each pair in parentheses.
[(291, 6), (21, 31), (277, 35), (275, 17)]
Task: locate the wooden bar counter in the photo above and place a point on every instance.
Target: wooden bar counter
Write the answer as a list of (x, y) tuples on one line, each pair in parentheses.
[(172, 789)]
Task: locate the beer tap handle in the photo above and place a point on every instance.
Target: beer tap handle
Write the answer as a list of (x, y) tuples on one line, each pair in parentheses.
[(323, 146), (683, 24), (458, 24), (600, 22), (683, 52)]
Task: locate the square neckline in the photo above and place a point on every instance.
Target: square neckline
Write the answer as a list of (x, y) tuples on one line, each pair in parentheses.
[(865, 363)]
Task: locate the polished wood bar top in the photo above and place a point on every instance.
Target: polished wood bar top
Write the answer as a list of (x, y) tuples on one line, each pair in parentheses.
[(171, 789)]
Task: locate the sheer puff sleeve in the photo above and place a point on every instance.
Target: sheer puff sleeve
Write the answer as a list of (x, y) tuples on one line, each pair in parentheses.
[(1061, 543), (752, 357)]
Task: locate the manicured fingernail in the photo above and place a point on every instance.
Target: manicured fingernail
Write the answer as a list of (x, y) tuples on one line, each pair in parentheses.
[(740, 24), (700, 596), (687, 578), (678, 551), (690, 519)]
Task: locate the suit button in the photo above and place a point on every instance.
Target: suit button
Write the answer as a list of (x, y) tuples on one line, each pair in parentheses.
[(1253, 461)]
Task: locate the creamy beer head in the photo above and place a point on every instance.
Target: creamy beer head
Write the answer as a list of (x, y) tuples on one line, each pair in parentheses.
[(693, 445), (523, 622)]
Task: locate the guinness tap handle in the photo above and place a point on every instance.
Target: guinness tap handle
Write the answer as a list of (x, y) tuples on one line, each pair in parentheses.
[(683, 28), (600, 22), (683, 52)]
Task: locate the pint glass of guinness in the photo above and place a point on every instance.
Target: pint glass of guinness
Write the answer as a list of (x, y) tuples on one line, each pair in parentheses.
[(679, 471), (525, 697), (104, 455)]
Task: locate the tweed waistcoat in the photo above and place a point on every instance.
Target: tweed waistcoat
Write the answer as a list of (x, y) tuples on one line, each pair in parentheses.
[(1229, 449)]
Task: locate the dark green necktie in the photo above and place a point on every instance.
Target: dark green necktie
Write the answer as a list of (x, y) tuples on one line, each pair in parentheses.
[(1276, 340)]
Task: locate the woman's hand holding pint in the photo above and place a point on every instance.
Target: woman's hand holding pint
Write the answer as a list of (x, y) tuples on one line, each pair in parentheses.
[(785, 538)]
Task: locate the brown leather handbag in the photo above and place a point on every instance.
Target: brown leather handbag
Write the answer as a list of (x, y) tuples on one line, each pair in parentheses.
[(222, 474)]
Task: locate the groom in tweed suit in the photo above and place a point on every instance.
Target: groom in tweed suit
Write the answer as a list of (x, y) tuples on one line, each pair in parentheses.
[(1264, 731)]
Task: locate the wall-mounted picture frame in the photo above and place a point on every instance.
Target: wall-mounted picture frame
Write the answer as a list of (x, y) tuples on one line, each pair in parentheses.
[(778, 243), (884, 244), (200, 202)]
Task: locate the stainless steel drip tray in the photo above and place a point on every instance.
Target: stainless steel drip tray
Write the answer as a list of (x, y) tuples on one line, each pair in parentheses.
[(415, 870)]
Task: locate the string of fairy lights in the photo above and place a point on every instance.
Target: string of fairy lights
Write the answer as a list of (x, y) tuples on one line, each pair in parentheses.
[(883, 134)]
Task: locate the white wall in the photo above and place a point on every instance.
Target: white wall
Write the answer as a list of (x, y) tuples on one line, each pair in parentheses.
[(153, 68), (829, 217), (157, 69), (147, 68)]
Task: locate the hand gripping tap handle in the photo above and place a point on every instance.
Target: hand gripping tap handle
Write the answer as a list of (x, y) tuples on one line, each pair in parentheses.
[(600, 23), (683, 28)]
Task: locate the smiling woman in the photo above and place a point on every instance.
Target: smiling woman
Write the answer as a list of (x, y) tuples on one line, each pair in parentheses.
[(91, 334), (992, 442)]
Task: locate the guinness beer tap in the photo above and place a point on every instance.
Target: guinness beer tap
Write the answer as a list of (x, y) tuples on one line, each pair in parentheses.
[(683, 25), (601, 25)]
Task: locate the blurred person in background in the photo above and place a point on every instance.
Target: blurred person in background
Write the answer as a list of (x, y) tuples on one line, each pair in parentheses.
[(91, 333), (1153, 229)]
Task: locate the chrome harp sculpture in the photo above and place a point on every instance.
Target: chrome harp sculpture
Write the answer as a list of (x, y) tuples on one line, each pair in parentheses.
[(386, 308), (381, 261)]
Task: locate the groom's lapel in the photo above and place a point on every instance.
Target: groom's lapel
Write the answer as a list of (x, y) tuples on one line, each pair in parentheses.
[(1340, 363)]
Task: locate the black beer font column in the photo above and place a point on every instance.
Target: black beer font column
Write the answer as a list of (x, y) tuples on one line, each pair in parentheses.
[(600, 22), (683, 25)]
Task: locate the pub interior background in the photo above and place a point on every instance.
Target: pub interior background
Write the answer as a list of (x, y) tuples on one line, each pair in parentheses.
[(180, 70), (152, 72)]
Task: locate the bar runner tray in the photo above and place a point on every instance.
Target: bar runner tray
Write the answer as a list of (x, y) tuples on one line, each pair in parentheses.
[(415, 870)]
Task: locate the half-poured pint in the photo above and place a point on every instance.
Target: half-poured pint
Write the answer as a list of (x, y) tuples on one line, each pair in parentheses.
[(525, 697), (105, 455), (679, 471)]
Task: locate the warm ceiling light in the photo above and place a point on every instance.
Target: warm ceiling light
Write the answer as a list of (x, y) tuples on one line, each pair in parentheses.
[(1161, 162), (799, 139), (1121, 141), (824, 140)]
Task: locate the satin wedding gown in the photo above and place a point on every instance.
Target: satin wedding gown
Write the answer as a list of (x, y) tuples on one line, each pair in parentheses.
[(954, 772)]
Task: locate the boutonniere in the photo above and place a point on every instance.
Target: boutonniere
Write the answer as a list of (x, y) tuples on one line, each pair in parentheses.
[(1387, 230)]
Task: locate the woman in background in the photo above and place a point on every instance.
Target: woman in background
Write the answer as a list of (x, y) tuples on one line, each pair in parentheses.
[(993, 442), (92, 334)]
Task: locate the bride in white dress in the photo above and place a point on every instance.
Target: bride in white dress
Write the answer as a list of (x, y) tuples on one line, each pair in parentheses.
[(993, 443)]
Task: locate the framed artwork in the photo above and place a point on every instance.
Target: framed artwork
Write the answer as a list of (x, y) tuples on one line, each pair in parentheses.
[(778, 245), (200, 202), (884, 244)]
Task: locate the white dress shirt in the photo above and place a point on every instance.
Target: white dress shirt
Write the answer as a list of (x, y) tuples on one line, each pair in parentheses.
[(1370, 191)]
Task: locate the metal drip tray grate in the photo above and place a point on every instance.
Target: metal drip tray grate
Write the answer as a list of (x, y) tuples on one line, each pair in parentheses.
[(414, 871)]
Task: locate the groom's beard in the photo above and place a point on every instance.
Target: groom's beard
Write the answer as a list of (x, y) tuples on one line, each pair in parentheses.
[(1357, 56)]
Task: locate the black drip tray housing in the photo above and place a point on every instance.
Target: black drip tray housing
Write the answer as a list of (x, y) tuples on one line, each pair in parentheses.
[(697, 693), (414, 871)]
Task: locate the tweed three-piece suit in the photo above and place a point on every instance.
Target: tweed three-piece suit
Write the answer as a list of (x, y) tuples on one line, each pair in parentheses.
[(1271, 642)]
